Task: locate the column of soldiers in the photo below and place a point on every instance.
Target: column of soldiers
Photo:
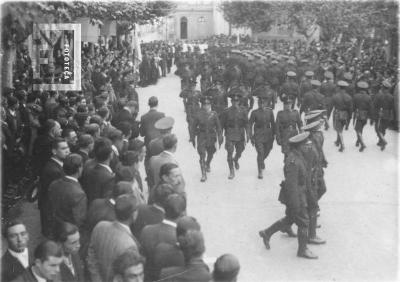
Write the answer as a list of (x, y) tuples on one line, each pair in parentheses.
[(244, 75)]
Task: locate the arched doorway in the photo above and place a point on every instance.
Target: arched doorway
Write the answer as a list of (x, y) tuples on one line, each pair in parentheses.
[(184, 25)]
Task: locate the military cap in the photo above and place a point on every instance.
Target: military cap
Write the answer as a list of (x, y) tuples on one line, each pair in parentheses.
[(291, 74), (315, 82), (291, 62), (286, 99), (328, 74), (304, 61), (342, 83), (299, 137), (312, 125), (274, 62), (284, 57), (348, 76), (362, 85), (386, 83), (313, 114), (309, 73), (164, 123)]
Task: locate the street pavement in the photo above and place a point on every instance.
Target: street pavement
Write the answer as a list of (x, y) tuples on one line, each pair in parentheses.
[(358, 213)]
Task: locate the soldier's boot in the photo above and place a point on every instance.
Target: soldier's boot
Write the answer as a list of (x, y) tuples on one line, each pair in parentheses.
[(267, 233), (289, 231), (362, 145), (358, 142), (303, 251), (260, 173), (231, 170), (312, 235), (341, 148), (326, 124), (208, 162), (236, 161), (337, 142), (383, 145), (203, 171)]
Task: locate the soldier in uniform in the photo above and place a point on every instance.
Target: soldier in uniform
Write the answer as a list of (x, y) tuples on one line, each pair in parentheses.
[(191, 99), (384, 108), (343, 105), (267, 94), (263, 133), (290, 87), (328, 89), (288, 123), (294, 195), (235, 123), (362, 111), (219, 99), (313, 99), (206, 77), (305, 86), (315, 161), (207, 129)]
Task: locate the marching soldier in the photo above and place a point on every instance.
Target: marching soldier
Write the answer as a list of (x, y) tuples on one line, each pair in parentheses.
[(362, 111), (234, 122), (343, 104), (313, 99), (305, 86), (219, 98), (328, 89), (191, 99), (288, 123), (263, 134), (207, 128), (315, 162), (206, 77), (294, 195), (267, 94), (290, 87), (384, 107)]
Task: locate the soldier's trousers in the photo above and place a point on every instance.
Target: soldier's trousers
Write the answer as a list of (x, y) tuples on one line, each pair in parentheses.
[(263, 149), (299, 216), (230, 146), (206, 150), (381, 126), (359, 126)]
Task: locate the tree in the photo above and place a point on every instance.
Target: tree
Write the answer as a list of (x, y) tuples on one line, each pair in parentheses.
[(18, 19)]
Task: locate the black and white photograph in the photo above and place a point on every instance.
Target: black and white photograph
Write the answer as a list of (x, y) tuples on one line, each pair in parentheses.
[(199, 141)]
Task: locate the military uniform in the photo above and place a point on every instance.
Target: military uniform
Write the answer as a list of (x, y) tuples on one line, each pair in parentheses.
[(290, 88), (328, 89), (263, 134), (235, 123), (362, 103), (191, 98), (312, 100), (384, 109), (293, 195), (207, 129), (288, 123), (343, 104), (305, 86)]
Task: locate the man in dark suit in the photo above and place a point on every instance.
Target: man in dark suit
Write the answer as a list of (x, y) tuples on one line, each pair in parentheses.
[(71, 269), (68, 200), (48, 257), (53, 170), (16, 259), (154, 213), (85, 143), (147, 121), (98, 180), (192, 246), (164, 232), (110, 239), (127, 113), (170, 143)]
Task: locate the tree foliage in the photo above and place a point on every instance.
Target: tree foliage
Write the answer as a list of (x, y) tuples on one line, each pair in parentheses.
[(19, 17), (352, 19)]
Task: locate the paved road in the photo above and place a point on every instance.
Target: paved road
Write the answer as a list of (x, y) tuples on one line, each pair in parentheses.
[(358, 213)]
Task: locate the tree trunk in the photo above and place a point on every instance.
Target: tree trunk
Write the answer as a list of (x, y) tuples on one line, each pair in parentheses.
[(8, 60)]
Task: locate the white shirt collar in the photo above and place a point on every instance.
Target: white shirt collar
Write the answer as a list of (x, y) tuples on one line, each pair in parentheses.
[(112, 201), (107, 167), (38, 278), (57, 161), (72, 178), (168, 152), (23, 257), (159, 208), (115, 150), (169, 222), (126, 227), (129, 110)]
